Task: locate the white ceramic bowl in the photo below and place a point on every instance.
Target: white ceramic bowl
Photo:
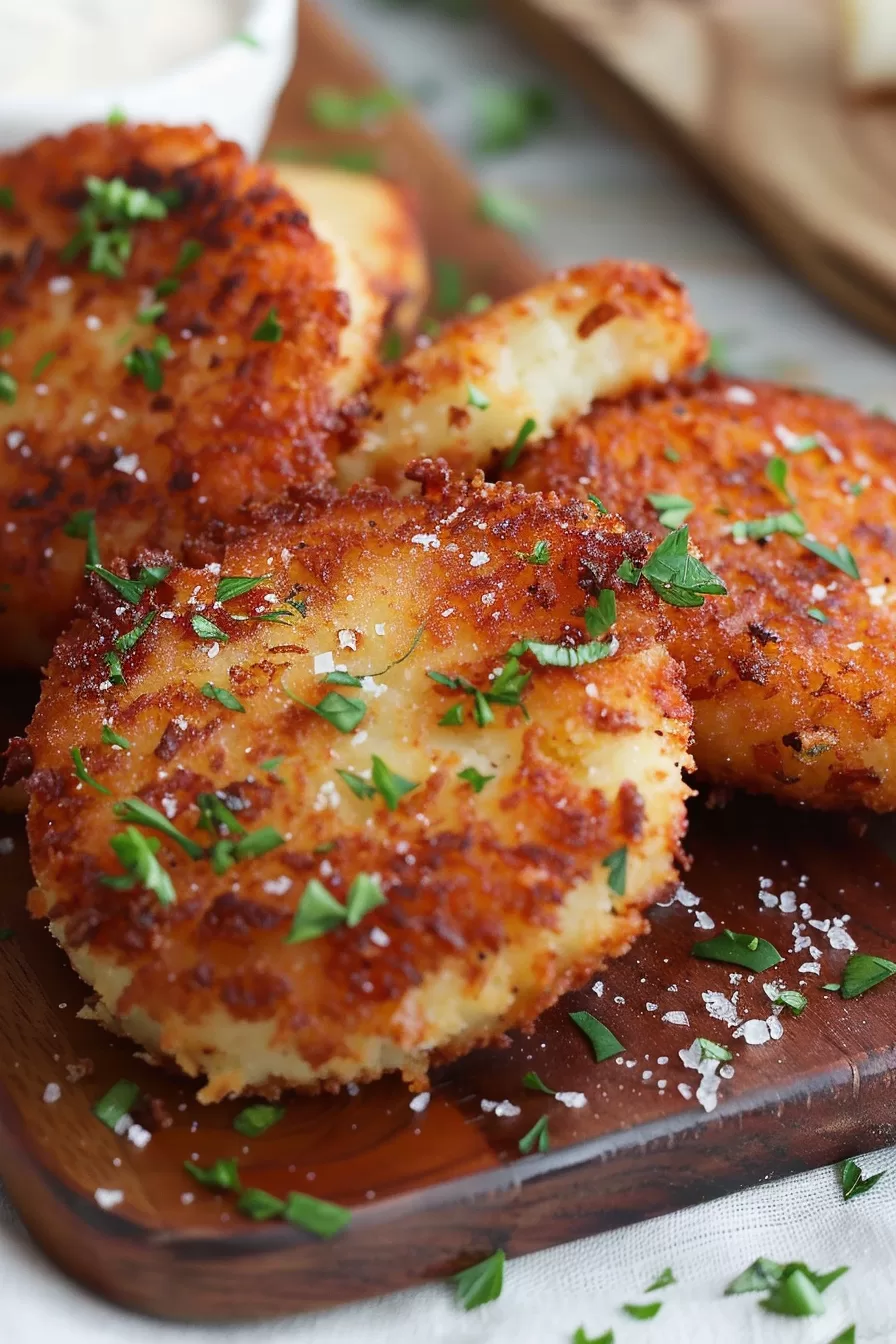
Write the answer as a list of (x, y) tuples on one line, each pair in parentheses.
[(233, 86)]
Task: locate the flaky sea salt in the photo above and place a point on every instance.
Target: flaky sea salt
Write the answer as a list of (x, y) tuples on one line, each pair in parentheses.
[(52, 1093), (420, 1102), (107, 1199), (574, 1100), (676, 1018)]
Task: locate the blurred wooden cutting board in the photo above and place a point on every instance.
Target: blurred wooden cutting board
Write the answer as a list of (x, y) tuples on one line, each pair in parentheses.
[(748, 92)]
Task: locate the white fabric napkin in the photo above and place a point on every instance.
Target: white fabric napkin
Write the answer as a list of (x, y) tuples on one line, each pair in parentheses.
[(547, 1296)]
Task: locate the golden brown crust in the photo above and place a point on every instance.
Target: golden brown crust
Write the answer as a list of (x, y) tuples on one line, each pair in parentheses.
[(235, 417), (784, 703), (471, 878)]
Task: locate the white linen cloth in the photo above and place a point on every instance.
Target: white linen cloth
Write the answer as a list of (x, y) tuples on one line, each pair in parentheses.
[(598, 196), (547, 1296)]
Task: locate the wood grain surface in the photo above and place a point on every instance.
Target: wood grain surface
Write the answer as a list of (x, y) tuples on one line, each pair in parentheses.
[(748, 94), (435, 1191)]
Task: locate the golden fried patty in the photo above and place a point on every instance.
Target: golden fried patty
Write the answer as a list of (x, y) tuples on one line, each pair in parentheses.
[(174, 338), (793, 674), (522, 368), (382, 829)]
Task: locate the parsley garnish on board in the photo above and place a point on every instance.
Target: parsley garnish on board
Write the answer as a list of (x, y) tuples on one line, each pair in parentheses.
[(480, 1283), (258, 1119), (792, 999), (116, 1103), (221, 1175), (337, 110), (106, 219), (711, 1050), (507, 211), (739, 949), (853, 1182), (603, 1042), (675, 575), (319, 911), (147, 364), (532, 1081), (507, 118), (862, 973), (448, 284), (537, 1136)]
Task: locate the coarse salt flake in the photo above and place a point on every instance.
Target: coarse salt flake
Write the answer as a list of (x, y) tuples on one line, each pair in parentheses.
[(323, 662), (574, 1100), (108, 1199), (420, 1102), (52, 1093)]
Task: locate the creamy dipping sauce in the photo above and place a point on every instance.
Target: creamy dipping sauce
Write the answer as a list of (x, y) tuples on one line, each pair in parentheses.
[(54, 47)]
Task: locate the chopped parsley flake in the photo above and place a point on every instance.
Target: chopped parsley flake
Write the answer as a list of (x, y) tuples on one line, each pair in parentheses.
[(792, 999), (862, 973), (221, 1175), (599, 505), (83, 774), (105, 222), (7, 198), (642, 1311), (42, 364), (600, 617), (269, 329), (507, 211), (581, 1338), (603, 1042), (477, 398), (390, 786), (661, 1281), (113, 739), (675, 575), (512, 456), (839, 556), (142, 814), (616, 865), (452, 717), (207, 629), (507, 118), (672, 510), (247, 40), (146, 316), (82, 526), (449, 286), (817, 615), (116, 117), (776, 473), (337, 110), (342, 711), (319, 1216), (137, 855), (147, 364), (8, 387), (235, 585), (319, 911), (359, 787), (7, 336), (739, 949), (225, 698), (563, 655), (853, 1182), (532, 1081), (258, 1119), (755, 529), (116, 1103), (472, 777), (478, 303), (480, 1283), (131, 590), (259, 1205), (711, 1050), (539, 555), (537, 1136)]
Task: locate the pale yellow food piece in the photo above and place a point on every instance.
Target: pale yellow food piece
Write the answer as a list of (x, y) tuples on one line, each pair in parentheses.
[(868, 44), (597, 331), (496, 901), (374, 220)]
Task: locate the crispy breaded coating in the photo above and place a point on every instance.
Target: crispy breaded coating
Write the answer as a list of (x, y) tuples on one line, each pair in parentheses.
[(375, 220), (793, 674), (526, 365), (452, 833), (163, 393)]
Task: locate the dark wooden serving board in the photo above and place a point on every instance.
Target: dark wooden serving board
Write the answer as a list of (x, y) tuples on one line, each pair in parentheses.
[(436, 1191)]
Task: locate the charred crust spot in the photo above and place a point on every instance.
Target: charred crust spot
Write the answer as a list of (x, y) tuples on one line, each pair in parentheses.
[(599, 316), (18, 761)]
